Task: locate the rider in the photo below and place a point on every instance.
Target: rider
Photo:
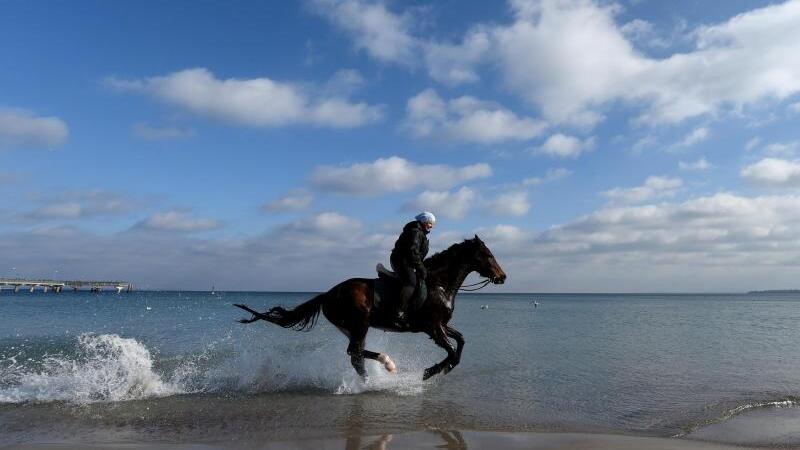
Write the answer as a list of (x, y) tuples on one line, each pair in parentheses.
[(408, 255)]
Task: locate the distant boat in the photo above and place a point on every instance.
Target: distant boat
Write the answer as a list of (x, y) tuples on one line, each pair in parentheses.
[(535, 303), (484, 306), (212, 290)]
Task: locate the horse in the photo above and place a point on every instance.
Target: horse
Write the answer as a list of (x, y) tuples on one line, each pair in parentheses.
[(353, 306)]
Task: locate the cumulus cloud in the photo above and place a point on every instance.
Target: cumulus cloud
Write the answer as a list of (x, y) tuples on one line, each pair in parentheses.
[(563, 146), (256, 102), (293, 201), (454, 64), (453, 205), (654, 187), (752, 143), (722, 230), (699, 165), (773, 172), (388, 37), (376, 30), (722, 242), (551, 175), (512, 203), (696, 136), (783, 148), (80, 204), (545, 53), (467, 119), (22, 129), (177, 221), (728, 65), (164, 133), (394, 174)]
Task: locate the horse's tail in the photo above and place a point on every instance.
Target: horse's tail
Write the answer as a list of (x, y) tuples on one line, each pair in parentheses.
[(301, 318)]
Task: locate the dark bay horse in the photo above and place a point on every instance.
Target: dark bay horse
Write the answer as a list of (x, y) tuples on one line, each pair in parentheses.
[(351, 306)]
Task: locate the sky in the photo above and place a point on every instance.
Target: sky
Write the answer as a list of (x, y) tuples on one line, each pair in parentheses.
[(594, 145)]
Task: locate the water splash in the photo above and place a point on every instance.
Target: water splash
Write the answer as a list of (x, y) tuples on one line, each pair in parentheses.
[(106, 367)]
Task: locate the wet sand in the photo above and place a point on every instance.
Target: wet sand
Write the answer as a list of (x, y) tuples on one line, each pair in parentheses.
[(430, 439)]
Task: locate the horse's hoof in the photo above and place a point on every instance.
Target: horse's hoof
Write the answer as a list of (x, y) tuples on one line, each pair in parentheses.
[(387, 363)]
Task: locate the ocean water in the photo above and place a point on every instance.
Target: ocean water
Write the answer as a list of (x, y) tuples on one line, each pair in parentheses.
[(177, 367)]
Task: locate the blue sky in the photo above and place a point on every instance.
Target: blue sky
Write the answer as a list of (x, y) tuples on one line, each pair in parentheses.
[(594, 145)]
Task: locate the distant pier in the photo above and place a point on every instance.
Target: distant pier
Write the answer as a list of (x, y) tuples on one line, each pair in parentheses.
[(17, 284)]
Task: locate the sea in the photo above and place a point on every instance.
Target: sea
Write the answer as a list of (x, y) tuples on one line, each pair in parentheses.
[(172, 367)]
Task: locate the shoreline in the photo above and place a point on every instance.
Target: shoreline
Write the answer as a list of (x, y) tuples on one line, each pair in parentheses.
[(449, 439)]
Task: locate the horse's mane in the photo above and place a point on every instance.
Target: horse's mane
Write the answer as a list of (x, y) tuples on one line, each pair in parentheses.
[(445, 256)]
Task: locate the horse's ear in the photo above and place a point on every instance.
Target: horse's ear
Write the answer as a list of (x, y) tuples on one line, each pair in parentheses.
[(477, 238)]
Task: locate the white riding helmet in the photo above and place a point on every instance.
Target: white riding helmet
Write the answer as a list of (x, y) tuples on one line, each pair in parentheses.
[(426, 217)]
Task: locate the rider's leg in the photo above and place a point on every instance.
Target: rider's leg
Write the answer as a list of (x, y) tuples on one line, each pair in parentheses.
[(409, 279)]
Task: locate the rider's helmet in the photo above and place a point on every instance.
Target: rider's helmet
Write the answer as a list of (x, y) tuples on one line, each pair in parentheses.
[(426, 217)]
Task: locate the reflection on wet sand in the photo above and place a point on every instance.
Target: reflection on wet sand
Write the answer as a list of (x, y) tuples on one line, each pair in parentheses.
[(357, 440)]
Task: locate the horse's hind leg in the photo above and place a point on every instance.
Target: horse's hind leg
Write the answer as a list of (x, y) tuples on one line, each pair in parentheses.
[(439, 336), (357, 354)]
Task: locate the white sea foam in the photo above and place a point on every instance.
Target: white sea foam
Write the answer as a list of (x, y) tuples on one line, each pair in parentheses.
[(106, 367)]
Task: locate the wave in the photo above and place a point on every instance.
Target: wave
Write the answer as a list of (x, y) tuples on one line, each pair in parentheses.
[(110, 368), (785, 402)]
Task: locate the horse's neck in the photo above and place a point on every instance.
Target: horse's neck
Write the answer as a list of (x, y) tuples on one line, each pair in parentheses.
[(453, 276)]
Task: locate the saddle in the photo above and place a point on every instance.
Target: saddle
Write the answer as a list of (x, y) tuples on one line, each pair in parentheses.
[(387, 291)]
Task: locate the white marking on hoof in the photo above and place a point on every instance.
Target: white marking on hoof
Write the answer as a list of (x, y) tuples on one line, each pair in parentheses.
[(387, 363)]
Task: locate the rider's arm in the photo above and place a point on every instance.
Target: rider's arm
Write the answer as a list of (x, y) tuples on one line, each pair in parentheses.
[(415, 250)]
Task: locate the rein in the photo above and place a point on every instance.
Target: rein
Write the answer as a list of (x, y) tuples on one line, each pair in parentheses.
[(482, 284)]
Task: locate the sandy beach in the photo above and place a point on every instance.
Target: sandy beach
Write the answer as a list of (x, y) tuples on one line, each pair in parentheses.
[(449, 439)]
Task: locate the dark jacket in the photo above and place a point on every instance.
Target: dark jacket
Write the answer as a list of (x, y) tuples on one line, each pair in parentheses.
[(412, 246)]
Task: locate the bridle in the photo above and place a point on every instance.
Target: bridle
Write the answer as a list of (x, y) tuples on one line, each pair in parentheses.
[(481, 284)]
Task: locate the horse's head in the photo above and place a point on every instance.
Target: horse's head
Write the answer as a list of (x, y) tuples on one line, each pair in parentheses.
[(484, 263)]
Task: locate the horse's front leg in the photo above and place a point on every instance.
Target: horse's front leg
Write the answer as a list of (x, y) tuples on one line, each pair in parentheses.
[(459, 338), (439, 336)]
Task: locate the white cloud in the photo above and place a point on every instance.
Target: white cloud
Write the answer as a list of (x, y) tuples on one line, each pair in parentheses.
[(572, 59), (293, 201), (643, 32), (699, 165), (455, 64), (724, 231), (584, 61), (513, 203), (654, 187), (773, 172), (177, 221), (326, 223), (696, 136), (453, 205), (794, 107), (551, 175), (394, 174), (388, 38), (80, 204), (22, 129), (563, 146), (752, 143), (382, 34), (783, 148), (467, 119), (256, 102), (155, 133)]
